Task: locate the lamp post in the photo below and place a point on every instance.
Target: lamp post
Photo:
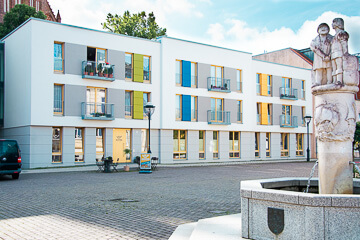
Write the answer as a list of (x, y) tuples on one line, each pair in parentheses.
[(149, 109), (307, 120)]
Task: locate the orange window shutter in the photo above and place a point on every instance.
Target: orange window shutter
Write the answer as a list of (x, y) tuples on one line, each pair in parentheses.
[(263, 83), (264, 114)]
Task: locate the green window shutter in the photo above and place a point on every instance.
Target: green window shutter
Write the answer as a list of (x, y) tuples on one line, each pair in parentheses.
[(138, 105), (138, 68)]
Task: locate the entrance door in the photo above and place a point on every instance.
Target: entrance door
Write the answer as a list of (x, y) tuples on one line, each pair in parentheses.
[(121, 141)]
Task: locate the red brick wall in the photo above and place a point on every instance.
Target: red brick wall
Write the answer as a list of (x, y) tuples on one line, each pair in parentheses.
[(44, 7)]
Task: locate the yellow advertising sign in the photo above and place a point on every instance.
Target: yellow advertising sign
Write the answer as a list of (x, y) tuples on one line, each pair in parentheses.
[(145, 161)]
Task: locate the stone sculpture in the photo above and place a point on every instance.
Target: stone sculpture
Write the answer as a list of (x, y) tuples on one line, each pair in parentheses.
[(335, 111)]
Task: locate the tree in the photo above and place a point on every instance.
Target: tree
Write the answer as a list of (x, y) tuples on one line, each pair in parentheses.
[(17, 15), (137, 25)]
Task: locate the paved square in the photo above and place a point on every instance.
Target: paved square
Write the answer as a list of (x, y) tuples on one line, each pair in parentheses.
[(125, 205)]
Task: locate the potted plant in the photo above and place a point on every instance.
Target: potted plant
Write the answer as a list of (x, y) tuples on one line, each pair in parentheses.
[(91, 71), (106, 69), (110, 71), (100, 69), (86, 70)]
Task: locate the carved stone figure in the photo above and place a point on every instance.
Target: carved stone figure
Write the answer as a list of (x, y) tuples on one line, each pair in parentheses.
[(321, 46), (339, 49)]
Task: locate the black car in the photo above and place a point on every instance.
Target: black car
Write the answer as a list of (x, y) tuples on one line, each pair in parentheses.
[(10, 158)]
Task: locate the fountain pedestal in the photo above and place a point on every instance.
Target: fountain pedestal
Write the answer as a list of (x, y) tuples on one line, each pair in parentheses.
[(335, 115)]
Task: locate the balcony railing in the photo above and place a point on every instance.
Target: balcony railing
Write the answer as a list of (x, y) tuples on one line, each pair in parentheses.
[(302, 94), (288, 93), (194, 80), (269, 119), (95, 70), (218, 117), (193, 115), (97, 111), (239, 86), (129, 74), (258, 119), (58, 64), (239, 117), (178, 114), (178, 77), (218, 84), (128, 111), (288, 121)]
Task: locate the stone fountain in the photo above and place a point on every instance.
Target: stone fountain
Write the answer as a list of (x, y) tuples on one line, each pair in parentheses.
[(279, 208)]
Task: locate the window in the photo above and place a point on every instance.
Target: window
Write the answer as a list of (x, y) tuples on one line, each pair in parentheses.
[(268, 146), (59, 57), (96, 101), (284, 143), (286, 85), (147, 68), (234, 144), (178, 72), (269, 113), (58, 99), (100, 143), (193, 74), (144, 140), (286, 112), (258, 110), (217, 76), (128, 104), (193, 108), (37, 5), (239, 111), (258, 76), (96, 58), (217, 109), (178, 100), (79, 145), (56, 145), (269, 85), (303, 116), (128, 66), (146, 99), (215, 144), (202, 144), (238, 80), (179, 143), (31, 3), (257, 144), (302, 91), (299, 144)]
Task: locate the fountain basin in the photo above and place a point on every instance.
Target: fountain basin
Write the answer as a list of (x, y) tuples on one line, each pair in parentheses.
[(269, 203)]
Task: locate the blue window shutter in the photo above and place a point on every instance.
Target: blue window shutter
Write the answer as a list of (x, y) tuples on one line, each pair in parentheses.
[(186, 107), (186, 74)]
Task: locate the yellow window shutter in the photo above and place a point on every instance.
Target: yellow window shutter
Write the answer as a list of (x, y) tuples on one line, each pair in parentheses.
[(264, 114), (138, 68), (263, 84), (138, 105)]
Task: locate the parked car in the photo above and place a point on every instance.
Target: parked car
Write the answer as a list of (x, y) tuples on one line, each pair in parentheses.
[(10, 158)]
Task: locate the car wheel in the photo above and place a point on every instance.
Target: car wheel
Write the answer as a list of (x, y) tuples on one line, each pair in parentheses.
[(15, 175)]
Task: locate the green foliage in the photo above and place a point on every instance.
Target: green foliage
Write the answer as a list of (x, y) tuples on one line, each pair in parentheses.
[(357, 137), (17, 15), (137, 25)]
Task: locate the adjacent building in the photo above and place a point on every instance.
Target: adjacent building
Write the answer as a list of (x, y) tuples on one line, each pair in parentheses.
[(80, 94)]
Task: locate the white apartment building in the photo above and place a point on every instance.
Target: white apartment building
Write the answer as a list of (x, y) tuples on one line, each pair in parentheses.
[(73, 95)]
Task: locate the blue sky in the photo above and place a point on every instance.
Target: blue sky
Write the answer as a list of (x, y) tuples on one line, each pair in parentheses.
[(251, 26)]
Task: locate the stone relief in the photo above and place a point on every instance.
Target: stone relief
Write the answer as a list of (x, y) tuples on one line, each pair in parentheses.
[(335, 81)]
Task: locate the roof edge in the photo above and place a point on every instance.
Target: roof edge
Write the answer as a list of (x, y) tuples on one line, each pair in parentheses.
[(281, 64)]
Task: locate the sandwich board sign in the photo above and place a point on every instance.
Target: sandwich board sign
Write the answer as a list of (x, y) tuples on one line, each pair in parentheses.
[(145, 163)]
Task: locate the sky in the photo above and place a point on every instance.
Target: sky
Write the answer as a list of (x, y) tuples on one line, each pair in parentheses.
[(254, 26)]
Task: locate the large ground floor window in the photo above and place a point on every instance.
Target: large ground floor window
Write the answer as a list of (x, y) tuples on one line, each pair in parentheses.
[(57, 145), (268, 147), (215, 144), (179, 144), (284, 144), (234, 144), (79, 145), (257, 144), (202, 144), (299, 144)]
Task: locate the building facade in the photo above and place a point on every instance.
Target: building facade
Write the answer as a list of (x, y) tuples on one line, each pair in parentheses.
[(39, 5), (81, 92)]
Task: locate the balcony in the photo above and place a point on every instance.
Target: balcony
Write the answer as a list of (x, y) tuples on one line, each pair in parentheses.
[(288, 121), (99, 71), (259, 120), (288, 93), (239, 117), (218, 84), (128, 111), (218, 117), (97, 111)]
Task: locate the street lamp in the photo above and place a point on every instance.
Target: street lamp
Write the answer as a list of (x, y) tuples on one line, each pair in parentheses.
[(307, 120), (149, 110)]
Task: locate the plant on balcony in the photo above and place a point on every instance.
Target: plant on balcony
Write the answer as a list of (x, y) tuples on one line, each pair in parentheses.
[(99, 114), (100, 69), (91, 71), (110, 71), (106, 71)]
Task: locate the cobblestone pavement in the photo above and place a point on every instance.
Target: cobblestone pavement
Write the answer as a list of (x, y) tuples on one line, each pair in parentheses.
[(125, 205)]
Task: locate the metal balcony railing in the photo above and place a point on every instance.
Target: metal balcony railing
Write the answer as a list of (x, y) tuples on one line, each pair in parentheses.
[(194, 115), (288, 121), (218, 117), (177, 114), (58, 64), (128, 111), (97, 111), (193, 80), (269, 119), (98, 70), (288, 93), (239, 117), (302, 94), (218, 84), (178, 77), (58, 106), (129, 74), (239, 86)]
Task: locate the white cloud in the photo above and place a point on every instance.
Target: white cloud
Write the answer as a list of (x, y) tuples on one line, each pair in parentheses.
[(237, 34)]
